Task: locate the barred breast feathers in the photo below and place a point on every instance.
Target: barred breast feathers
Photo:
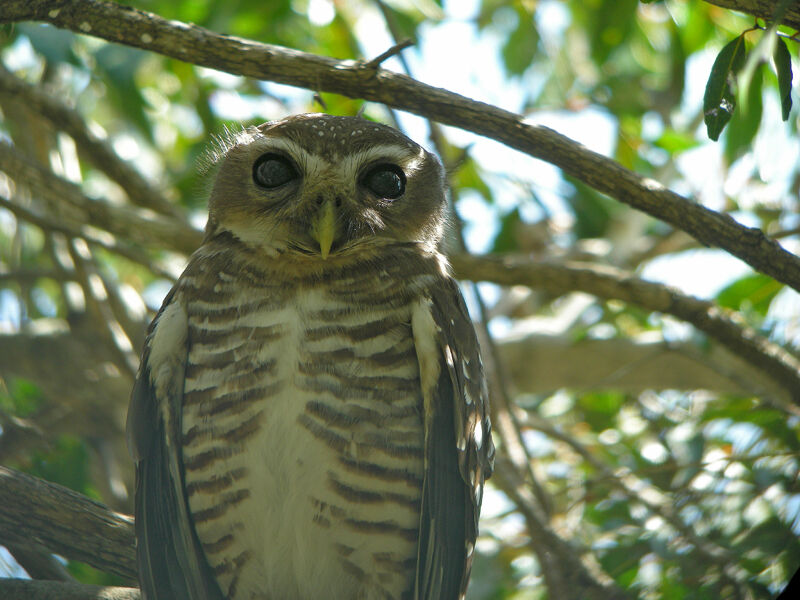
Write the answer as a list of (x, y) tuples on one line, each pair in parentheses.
[(347, 375)]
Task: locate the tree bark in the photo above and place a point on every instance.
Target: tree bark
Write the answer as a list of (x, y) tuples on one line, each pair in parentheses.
[(27, 589), (36, 512), (764, 9)]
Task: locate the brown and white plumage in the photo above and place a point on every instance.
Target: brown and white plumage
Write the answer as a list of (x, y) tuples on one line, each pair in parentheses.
[(310, 416)]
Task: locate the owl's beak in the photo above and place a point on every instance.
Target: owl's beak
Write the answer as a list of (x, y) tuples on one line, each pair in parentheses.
[(323, 227)]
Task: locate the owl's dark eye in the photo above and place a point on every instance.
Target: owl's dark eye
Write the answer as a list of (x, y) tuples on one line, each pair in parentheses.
[(385, 181), (273, 170)]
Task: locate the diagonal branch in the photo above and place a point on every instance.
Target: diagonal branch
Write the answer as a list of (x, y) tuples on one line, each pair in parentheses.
[(73, 207), (608, 283), (764, 9), (40, 513), (25, 589), (562, 566), (355, 79), (94, 237), (98, 151)]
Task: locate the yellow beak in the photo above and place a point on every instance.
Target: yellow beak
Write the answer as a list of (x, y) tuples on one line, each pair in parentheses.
[(323, 227)]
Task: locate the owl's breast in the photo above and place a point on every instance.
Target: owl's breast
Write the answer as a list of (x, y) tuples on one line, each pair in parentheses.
[(302, 439)]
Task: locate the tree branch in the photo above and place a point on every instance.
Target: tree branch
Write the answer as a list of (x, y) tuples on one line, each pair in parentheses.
[(563, 568), (34, 511), (93, 237), (96, 150), (764, 9), (542, 364), (69, 203), (355, 79), (609, 283), (39, 563), (27, 589)]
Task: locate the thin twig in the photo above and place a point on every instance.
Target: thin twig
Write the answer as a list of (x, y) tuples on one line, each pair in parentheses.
[(633, 487), (384, 56)]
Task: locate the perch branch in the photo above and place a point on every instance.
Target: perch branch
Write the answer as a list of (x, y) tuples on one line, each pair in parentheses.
[(26, 589), (39, 563), (34, 511), (355, 79)]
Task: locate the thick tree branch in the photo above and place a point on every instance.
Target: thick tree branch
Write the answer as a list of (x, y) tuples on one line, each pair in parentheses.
[(541, 364), (764, 9), (26, 589), (609, 283), (36, 512), (356, 79)]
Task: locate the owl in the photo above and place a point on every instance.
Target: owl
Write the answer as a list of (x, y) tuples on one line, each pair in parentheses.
[(310, 416)]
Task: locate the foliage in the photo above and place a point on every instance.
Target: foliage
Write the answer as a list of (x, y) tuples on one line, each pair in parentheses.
[(674, 492)]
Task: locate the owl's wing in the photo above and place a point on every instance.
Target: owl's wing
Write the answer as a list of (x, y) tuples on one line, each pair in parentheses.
[(458, 447), (171, 562)]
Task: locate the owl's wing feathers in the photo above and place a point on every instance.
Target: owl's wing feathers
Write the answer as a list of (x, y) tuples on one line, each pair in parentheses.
[(171, 563), (458, 448)]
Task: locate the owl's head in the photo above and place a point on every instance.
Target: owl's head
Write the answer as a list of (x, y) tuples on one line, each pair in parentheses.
[(320, 186)]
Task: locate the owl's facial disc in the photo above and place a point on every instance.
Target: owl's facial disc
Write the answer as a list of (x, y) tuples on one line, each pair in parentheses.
[(320, 187)]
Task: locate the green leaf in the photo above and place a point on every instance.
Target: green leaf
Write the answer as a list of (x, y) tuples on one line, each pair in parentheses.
[(593, 211), (468, 177), (719, 101), (23, 398), (65, 461), (755, 292), (745, 122), (56, 45), (520, 48), (507, 239), (783, 66), (118, 65), (676, 142)]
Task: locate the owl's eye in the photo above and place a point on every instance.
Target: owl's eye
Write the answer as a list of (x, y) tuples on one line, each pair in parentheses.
[(386, 181), (273, 170)]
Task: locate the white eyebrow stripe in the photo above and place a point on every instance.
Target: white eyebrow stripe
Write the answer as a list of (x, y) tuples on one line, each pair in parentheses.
[(409, 158), (310, 164)]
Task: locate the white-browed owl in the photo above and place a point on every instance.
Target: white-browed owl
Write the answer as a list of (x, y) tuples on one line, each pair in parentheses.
[(310, 416)]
